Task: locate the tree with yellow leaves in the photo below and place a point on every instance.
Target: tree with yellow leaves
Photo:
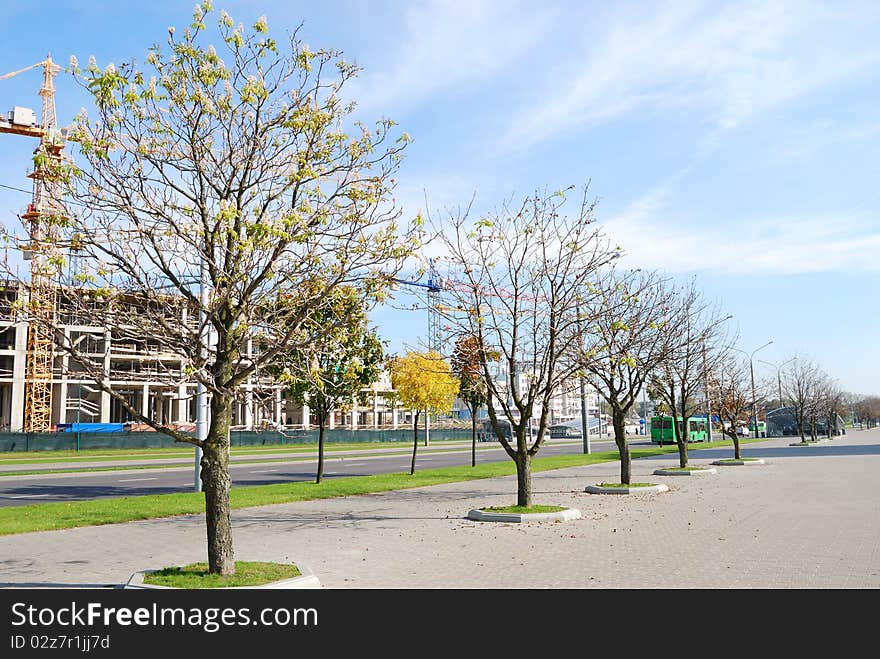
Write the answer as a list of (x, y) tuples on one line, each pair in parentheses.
[(424, 382)]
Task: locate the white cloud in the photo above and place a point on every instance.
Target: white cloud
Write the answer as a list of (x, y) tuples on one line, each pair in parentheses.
[(731, 62), (652, 237), (448, 43), (820, 135)]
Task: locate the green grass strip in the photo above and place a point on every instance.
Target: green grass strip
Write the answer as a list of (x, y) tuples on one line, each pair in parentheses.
[(55, 516), (196, 575)]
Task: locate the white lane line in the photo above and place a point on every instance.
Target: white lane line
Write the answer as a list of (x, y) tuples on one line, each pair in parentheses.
[(264, 471), (132, 480), (27, 496)]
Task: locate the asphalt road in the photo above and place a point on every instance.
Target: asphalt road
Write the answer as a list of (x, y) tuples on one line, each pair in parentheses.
[(45, 488)]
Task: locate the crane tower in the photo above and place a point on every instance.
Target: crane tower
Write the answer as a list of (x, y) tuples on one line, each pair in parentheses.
[(43, 216)]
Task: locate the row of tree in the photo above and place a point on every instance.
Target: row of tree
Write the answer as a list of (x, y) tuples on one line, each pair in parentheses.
[(867, 411)]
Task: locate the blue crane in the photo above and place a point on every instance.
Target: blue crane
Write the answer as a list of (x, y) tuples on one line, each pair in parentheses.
[(434, 287)]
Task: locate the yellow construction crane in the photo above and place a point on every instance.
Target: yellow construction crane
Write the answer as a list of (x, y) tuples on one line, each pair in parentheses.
[(42, 218)]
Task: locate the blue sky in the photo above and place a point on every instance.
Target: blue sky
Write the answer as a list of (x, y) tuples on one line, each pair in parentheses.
[(734, 141)]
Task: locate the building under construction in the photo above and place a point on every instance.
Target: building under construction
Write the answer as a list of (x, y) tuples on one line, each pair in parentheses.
[(149, 377)]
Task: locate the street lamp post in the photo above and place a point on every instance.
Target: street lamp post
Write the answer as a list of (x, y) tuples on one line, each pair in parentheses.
[(778, 375), (585, 423), (202, 413), (752, 373), (708, 403)]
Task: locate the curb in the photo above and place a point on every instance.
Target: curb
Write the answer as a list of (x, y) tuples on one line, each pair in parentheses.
[(561, 516), (306, 579), (596, 489), (696, 471)]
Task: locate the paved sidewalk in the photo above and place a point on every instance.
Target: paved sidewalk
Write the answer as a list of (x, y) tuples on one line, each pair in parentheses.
[(809, 518)]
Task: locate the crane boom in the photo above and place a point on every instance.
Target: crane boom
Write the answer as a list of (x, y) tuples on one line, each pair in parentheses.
[(27, 68)]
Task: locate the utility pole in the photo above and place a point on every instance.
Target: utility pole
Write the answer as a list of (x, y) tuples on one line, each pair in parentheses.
[(585, 422), (585, 425), (708, 403), (752, 372), (201, 390)]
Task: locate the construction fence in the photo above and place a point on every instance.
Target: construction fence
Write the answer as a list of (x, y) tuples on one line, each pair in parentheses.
[(76, 441)]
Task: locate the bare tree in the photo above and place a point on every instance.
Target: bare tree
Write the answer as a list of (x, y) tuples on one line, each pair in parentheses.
[(523, 272), (867, 409), (730, 385), (696, 330), (836, 407), (225, 169), (800, 380), (627, 338)]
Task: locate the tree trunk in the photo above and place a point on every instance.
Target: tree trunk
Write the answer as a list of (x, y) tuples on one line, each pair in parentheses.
[(216, 484), (619, 424), (473, 438), (523, 479), (681, 435), (412, 467), (320, 473), (737, 454)]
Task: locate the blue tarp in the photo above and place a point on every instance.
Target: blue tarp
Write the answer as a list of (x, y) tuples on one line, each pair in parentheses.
[(91, 427)]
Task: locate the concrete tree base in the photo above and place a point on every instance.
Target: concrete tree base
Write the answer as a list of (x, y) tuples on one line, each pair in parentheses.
[(738, 463), (306, 579), (696, 471), (598, 489), (479, 515)]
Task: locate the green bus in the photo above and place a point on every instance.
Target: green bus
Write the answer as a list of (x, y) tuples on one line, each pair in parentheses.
[(663, 432)]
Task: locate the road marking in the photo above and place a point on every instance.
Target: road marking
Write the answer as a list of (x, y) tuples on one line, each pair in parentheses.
[(265, 471), (27, 496), (132, 480)]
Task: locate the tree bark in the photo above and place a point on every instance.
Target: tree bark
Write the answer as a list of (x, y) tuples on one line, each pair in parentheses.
[(618, 421), (473, 437), (216, 483), (412, 467), (523, 480), (737, 454), (320, 473), (681, 435)]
